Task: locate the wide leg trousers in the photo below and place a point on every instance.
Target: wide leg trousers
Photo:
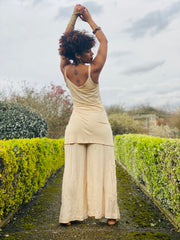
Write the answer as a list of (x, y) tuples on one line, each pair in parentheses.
[(89, 185)]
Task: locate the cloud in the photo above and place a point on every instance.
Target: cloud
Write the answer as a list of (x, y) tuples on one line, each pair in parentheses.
[(154, 22), (36, 2), (170, 87), (112, 89), (93, 7), (64, 12), (117, 54), (143, 93), (148, 87), (117, 93), (144, 68)]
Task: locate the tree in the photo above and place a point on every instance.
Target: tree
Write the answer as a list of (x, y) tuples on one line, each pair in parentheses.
[(53, 103), (114, 109), (174, 119), (147, 109), (122, 123)]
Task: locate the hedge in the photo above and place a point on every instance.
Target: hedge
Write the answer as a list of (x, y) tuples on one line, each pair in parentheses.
[(155, 164), (25, 165)]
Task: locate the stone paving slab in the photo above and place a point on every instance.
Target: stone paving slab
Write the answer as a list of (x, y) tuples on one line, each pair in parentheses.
[(140, 218)]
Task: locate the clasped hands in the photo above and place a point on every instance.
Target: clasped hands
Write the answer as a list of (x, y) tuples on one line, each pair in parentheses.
[(82, 12)]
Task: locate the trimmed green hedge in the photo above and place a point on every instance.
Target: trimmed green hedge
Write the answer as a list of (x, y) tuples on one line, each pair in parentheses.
[(25, 164), (155, 163)]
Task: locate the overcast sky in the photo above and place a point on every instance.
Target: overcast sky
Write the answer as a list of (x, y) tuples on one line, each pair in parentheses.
[(143, 65)]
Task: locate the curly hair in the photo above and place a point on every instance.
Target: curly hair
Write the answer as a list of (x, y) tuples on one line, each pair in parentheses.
[(75, 42)]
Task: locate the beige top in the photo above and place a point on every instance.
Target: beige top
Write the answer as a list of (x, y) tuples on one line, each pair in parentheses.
[(88, 122)]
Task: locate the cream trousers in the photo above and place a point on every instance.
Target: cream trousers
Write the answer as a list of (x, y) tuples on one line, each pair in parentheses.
[(89, 183)]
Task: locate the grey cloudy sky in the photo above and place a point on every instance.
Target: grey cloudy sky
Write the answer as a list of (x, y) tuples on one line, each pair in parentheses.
[(143, 64)]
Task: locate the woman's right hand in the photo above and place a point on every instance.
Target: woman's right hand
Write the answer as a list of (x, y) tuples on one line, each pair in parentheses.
[(85, 16)]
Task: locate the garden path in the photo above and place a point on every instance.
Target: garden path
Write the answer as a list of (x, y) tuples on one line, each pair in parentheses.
[(140, 218)]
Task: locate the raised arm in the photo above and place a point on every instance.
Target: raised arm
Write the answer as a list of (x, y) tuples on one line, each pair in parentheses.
[(100, 58), (70, 27)]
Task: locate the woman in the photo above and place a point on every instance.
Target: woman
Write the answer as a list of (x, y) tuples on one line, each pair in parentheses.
[(89, 180)]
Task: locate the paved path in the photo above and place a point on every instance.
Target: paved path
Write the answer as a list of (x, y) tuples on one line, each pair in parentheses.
[(140, 219)]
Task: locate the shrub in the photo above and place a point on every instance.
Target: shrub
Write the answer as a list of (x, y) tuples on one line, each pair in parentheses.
[(155, 163), (147, 109), (52, 103), (17, 121), (174, 119), (25, 165), (123, 123), (115, 109), (165, 131)]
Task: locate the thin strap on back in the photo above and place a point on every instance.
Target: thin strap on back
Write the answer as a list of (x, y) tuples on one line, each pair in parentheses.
[(65, 72), (65, 75), (89, 71)]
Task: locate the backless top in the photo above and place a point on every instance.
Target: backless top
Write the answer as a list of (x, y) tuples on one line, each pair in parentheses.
[(88, 122)]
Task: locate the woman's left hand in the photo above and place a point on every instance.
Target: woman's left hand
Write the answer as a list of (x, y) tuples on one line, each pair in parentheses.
[(78, 9)]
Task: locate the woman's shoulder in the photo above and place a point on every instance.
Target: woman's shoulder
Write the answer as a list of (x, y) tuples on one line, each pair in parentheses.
[(77, 69)]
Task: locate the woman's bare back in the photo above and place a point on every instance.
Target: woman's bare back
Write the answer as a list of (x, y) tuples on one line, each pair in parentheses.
[(77, 74)]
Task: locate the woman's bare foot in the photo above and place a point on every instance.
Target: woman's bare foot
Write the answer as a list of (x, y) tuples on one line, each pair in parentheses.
[(111, 222), (66, 224)]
